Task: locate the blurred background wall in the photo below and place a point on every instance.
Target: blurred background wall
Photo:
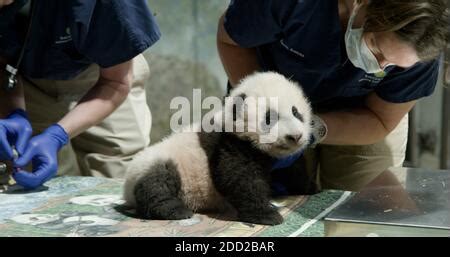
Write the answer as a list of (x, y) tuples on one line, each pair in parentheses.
[(429, 139), (186, 58)]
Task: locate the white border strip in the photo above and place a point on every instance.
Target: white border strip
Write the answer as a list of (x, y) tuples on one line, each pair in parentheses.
[(308, 224)]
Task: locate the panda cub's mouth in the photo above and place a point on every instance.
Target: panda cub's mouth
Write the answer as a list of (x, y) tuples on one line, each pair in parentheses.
[(283, 147), (288, 148)]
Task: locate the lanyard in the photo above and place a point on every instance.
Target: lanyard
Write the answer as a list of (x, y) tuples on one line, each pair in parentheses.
[(12, 70)]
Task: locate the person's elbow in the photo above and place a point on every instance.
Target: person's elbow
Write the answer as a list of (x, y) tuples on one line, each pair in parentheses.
[(383, 128), (113, 92), (119, 78), (124, 88), (388, 114), (118, 89)]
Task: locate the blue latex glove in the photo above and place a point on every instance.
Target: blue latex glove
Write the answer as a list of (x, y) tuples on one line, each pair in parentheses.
[(42, 150), (286, 161), (15, 130)]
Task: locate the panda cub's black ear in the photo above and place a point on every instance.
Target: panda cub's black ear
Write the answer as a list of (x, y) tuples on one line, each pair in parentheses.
[(238, 103), (243, 96)]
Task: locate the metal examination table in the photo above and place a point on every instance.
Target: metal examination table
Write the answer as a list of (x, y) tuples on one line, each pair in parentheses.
[(400, 202)]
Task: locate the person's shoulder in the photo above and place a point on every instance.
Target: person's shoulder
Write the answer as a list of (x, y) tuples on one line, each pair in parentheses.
[(310, 10), (121, 7)]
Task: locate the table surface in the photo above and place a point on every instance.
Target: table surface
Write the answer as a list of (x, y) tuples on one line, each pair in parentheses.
[(400, 198), (88, 206)]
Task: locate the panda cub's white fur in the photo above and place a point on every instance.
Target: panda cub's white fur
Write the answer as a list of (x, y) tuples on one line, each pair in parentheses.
[(185, 151), (192, 161)]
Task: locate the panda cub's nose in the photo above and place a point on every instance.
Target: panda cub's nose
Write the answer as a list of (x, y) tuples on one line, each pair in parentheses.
[(294, 138)]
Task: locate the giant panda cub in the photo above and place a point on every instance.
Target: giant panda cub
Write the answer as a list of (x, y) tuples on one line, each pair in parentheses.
[(198, 171)]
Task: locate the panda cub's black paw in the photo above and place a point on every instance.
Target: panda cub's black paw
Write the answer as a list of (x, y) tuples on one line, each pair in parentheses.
[(173, 209), (267, 218), (180, 214)]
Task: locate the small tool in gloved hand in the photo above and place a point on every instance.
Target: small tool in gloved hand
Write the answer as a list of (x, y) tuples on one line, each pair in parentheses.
[(4, 167), (15, 153)]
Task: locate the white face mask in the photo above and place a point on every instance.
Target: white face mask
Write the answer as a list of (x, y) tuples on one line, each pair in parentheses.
[(357, 50)]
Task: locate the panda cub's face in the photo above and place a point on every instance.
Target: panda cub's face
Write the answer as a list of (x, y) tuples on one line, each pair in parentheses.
[(275, 114)]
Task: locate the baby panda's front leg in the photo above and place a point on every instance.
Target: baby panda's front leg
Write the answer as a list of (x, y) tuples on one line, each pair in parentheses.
[(252, 202), (245, 185)]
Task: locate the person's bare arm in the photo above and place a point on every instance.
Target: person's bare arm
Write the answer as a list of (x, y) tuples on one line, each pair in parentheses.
[(106, 96), (237, 61), (367, 125), (5, 2), (11, 100)]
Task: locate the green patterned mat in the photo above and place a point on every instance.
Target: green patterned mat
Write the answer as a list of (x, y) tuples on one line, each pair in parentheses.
[(87, 206)]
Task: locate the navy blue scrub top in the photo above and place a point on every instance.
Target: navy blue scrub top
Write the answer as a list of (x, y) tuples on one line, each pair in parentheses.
[(68, 36), (303, 40)]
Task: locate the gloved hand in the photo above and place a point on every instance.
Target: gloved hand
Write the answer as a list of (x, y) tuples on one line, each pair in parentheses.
[(15, 130), (42, 150), (318, 133), (286, 161)]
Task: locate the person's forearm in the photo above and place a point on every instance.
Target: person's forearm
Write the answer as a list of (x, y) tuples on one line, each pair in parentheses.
[(238, 62), (12, 100), (103, 99), (358, 127)]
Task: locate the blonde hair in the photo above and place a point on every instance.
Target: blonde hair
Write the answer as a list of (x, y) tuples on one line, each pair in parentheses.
[(423, 24)]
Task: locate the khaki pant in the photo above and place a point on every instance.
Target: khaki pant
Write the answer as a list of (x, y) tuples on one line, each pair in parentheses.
[(353, 167), (105, 149)]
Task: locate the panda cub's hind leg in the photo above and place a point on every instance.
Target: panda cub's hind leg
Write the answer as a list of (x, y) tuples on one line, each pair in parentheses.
[(157, 194)]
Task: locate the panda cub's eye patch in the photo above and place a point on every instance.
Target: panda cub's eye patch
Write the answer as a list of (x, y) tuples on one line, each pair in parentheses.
[(297, 114), (270, 120), (238, 103), (271, 117)]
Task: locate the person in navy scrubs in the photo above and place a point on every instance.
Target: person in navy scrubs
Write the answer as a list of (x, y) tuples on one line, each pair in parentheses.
[(363, 65), (80, 92)]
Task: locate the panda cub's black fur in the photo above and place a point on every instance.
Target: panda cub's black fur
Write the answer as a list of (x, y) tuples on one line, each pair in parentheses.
[(172, 181), (242, 174)]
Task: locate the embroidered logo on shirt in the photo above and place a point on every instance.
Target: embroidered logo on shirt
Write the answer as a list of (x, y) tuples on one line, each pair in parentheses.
[(64, 39), (371, 79)]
